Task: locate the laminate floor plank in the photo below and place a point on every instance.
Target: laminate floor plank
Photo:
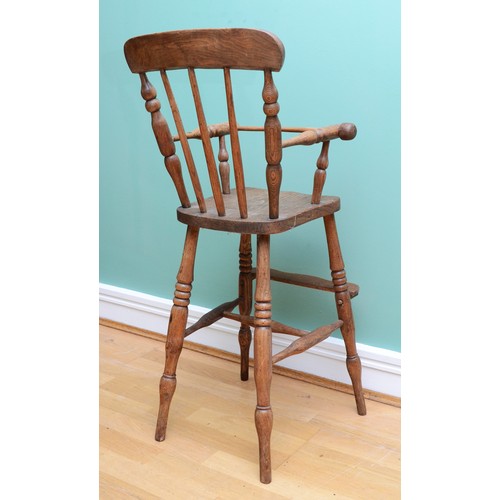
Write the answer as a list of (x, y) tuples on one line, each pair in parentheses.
[(321, 448)]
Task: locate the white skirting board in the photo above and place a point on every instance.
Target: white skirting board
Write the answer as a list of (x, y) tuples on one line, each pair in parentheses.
[(381, 367)]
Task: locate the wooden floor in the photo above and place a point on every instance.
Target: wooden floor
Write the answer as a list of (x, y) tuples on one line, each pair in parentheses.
[(321, 448)]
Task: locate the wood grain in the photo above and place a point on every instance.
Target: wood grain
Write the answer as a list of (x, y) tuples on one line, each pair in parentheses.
[(239, 177), (184, 142), (242, 210), (320, 450), (220, 129), (279, 370), (263, 366), (224, 168), (344, 131), (309, 281), (272, 135), (276, 326), (320, 174), (176, 329), (207, 145), (164, 139), (211, 316), (296, 209), (307, 341), (245, 289), (239, 48), (344, 310)]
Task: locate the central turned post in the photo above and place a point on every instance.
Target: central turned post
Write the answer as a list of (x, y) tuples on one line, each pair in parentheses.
[(245, 301)]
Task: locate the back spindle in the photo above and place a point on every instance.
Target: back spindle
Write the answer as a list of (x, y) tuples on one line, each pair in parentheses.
[(207, 145), (239, 178), (164, 139), (184, 143), (272, 134)]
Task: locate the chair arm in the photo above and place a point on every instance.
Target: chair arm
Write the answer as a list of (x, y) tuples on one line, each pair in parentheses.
[(306, 137), (344, 131), (221, 129)]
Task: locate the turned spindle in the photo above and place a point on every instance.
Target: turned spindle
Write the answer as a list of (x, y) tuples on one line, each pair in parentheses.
[(263, 356), (176, 329), (272, 134), (245, 288), (184, 143), (344, 311), (320, 174), (224, 169), (164, 139)]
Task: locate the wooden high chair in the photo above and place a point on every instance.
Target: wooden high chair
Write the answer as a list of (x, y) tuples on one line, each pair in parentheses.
[(242, 209)]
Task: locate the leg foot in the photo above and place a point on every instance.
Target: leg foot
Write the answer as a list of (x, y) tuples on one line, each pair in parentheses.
[(354, 369), (264, 425), (167, 389)]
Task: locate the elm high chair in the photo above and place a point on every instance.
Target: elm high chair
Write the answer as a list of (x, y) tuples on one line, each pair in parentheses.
[(243, 210)]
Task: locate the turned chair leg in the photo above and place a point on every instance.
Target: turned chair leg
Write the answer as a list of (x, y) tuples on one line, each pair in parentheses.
[(176, 329), (263, 357), (344, 310), (245, 304)]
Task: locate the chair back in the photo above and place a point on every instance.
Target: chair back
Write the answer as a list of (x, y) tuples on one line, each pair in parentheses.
[(224, 49)]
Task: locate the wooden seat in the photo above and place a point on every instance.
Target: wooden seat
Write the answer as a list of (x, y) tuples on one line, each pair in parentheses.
[(241, 209), (295, 209)]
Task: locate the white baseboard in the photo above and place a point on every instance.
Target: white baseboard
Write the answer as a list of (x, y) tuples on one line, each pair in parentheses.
[(381, 367)]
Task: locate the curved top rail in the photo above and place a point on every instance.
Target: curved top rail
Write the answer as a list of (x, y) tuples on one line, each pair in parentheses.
[(239, 48)]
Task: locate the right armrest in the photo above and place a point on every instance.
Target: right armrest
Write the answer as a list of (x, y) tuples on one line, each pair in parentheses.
[(306, 137), (344, 131)]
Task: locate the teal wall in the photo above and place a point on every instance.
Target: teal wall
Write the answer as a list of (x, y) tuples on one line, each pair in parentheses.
[(342, 64)]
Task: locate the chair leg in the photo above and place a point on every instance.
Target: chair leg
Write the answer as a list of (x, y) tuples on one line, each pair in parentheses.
[(176, 328), (263, 357), (344, 310), (245, 296)]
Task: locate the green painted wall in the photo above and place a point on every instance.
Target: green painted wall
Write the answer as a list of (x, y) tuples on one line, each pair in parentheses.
[(342, 64)]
